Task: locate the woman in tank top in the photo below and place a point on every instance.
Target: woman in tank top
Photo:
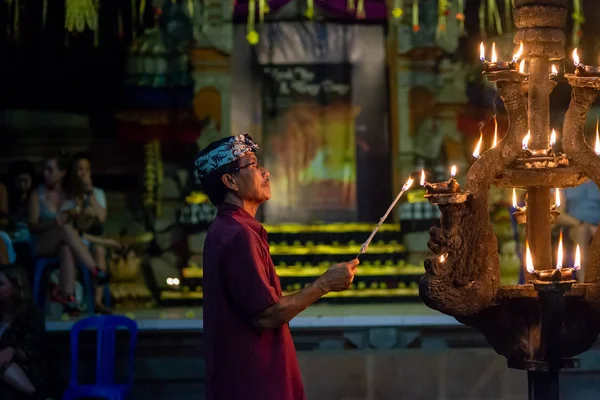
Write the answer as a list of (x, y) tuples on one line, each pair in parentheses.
[(51, 212)]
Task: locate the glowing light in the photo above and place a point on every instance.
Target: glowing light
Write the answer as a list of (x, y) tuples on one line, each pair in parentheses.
[(408, 184), (517, 55), (559, 255), (477, 151), (514, 198), (495, 132), (494, 55), (575, 57), (597, 146), (453, 171), (526, 140), (482, 52), (557, 201), (528, 259), (553, 138), (522, 66), (577, 264), (554, 70), (173, 281), (443, 257), (422, 183)]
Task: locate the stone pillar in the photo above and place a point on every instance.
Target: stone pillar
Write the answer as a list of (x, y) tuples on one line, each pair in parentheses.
[(540, 24)]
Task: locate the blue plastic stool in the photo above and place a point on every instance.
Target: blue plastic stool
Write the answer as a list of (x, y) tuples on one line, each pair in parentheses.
[(105, 385), (38, 272)]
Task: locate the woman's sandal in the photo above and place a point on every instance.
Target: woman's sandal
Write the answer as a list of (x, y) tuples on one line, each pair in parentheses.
[(100, 309), (101, 277)]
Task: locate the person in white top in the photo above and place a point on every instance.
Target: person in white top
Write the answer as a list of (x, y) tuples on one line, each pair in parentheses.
[(95, 211)]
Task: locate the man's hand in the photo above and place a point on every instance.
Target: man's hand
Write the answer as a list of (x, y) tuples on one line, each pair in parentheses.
[(339, 277), (6, 356)]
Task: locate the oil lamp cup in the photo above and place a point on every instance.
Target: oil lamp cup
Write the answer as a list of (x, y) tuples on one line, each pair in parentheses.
[(448, 192), (540, 159), (557, 280), (499, 66), (521, 216), (587, 71)]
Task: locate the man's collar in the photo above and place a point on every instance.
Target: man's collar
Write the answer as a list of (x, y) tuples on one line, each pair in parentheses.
[(242, 216)]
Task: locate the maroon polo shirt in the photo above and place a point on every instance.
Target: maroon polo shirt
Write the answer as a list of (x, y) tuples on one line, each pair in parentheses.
[(239, 283)]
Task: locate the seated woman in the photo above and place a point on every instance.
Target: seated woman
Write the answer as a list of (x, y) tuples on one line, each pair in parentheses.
[(22, 332), (20, 183), (51, 213)]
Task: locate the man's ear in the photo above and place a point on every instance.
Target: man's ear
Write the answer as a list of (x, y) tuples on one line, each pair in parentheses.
[(229, 182)]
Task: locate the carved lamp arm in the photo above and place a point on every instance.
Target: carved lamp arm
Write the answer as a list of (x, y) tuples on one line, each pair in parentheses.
[(582, 156), (494, 161), (465, 276)]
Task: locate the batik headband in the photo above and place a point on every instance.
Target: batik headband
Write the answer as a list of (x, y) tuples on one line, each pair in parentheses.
[(228, 151)]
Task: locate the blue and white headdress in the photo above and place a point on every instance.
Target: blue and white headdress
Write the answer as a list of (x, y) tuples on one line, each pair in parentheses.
[(226, 152)]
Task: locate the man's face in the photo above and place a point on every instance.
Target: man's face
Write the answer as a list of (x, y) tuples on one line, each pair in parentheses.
[(252, 180)]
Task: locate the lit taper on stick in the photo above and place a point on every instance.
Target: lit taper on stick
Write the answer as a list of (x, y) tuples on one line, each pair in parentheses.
[(365, 245)]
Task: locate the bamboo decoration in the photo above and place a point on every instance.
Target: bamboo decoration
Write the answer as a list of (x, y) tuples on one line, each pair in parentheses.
[(360, 10), (261, 11), (460, 15), (252, 36), (415, 16), (482, 31), (398, 9), (310, 9), (508, 14), (442, 17), (578, 20)]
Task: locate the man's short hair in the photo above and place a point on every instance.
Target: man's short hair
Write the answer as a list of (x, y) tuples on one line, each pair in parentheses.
[(213, 184)]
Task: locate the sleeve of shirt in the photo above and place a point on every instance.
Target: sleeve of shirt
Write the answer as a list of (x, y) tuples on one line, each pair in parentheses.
[(245, 275), (100, 197)]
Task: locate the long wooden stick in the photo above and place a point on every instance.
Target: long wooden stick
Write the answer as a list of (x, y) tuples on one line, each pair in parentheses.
[(365, 245)]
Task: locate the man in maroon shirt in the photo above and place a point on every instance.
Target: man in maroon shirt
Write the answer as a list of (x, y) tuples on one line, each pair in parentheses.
[(250, 353)]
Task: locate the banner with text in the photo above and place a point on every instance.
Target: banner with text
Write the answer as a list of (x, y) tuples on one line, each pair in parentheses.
[(310, 147)]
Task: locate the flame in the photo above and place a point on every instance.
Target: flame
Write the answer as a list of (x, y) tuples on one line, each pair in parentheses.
[(597, 147), (482, 52), (453, 171), (554, 70), (528, 259), (557, 201), (526, 140), (408, 184), (553, 138), (559, 255), (443, 257), (517, 55), (422, 183), (494, 55), (477, 151), (575, 57), (515, 205), (522, 66), (495, 132), (577, 264)]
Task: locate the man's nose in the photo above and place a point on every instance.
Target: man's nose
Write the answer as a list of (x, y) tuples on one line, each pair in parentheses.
[(266, 172)]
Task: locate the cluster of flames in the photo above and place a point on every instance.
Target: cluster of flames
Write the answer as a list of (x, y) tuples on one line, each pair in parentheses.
[(557, 202), (559, 256), (527, 139)]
